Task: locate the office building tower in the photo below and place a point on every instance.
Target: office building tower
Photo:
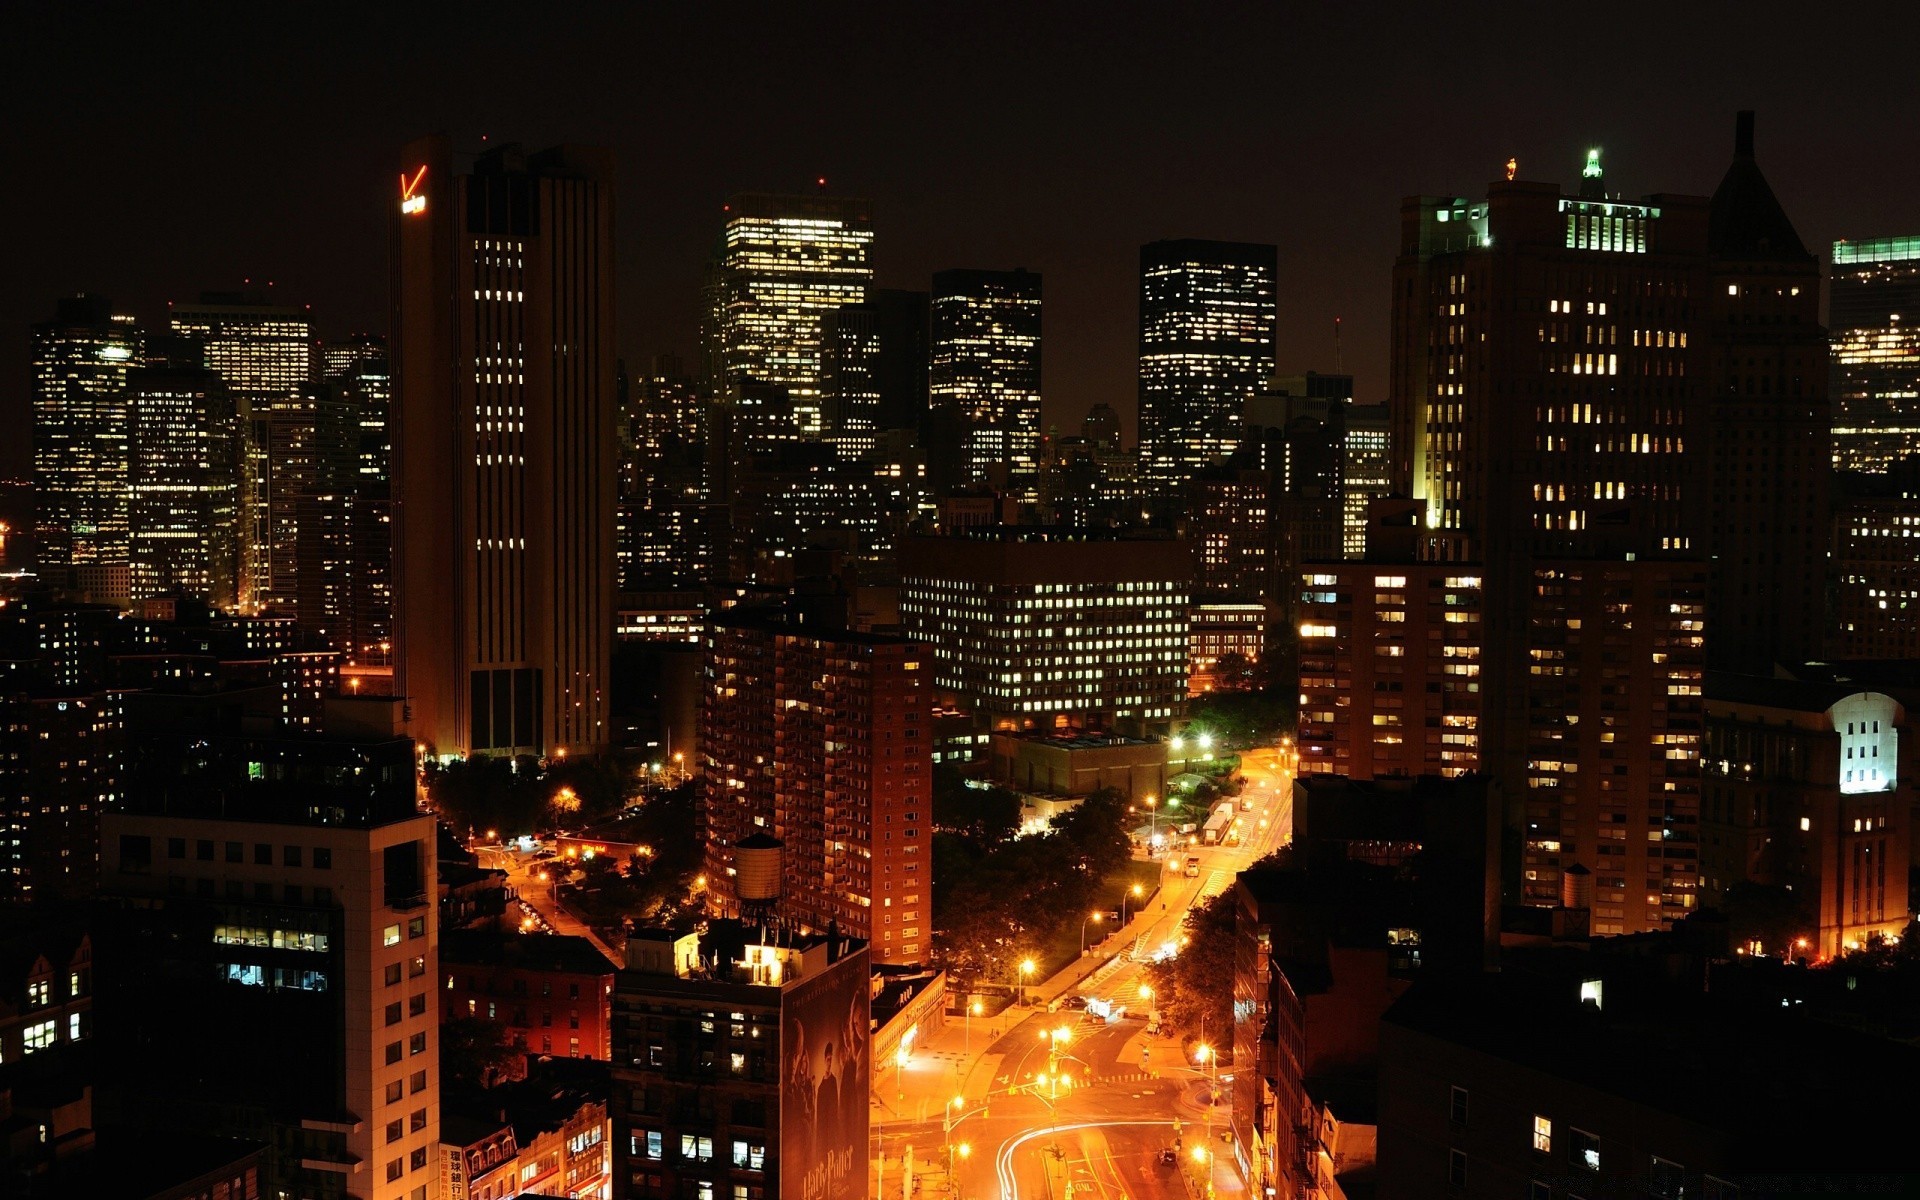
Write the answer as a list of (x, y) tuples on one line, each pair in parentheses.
[(782, 265), (264, 352), (1101, 427), (80, 363), (185, 449), (1036, 627), (1366, 470), (850, 372), (355, 605), (1229, 529), (819, 738), (1769, 429), (1874, 331), (503, 471), (1876, 574), (1594, 480), (313, 460), (771, 1097), (1804, 793), (550, 991), (984, 372), (276, 886), (1207, 324)]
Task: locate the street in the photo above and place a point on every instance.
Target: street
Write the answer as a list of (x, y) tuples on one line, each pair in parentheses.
[(1090, 1113)]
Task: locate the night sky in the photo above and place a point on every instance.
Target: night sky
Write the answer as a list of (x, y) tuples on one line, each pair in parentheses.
[(171, 148)]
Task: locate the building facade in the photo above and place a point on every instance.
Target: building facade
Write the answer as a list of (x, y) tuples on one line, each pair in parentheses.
[(185, 456), (1875, 344), (1035, 627), (550, 991), (985, 372), (822, 739), (783, 264), (503, 471), (1207, 325), (80, 363)]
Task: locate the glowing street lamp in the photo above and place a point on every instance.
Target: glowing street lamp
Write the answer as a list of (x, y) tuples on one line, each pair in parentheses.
[(966, 1042), (1133, 893), (1091, 917), (1026, 969), (1153, 826)]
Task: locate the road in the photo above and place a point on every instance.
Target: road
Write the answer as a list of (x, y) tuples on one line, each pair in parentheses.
[(535, 895), (1127, 1097)]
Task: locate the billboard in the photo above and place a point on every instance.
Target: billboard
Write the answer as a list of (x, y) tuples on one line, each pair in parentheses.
[(826, 1065)]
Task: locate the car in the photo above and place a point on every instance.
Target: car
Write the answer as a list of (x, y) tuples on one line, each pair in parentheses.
[(1169, 1157), (1074, 1002)]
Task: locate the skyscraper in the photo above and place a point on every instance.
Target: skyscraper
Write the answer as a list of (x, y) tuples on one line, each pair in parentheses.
[(850, 375), (184, 448), (503, 471), (80, 364), (1207, 324), (985, 370), (264, 352), (1874, 313), (784, 263)]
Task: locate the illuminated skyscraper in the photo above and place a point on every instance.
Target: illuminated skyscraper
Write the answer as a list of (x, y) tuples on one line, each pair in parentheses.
[(503, 435), (782, 265), (1207, 323), (985, 370), (80, 364), (264, 352), (1874, 314), (851, 380), (184, 447)]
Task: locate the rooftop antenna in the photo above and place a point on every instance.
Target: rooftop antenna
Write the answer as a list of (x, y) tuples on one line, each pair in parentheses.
[(1337, 367)]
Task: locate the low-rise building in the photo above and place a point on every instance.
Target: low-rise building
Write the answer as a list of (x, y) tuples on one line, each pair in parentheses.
[(1076, 764), (550, 991)]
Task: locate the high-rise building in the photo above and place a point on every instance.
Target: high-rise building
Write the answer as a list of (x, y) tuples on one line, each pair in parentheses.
[(269, 896), (80, 364), (1876, 573), (985, 371), (783, 264), (503, 472), (1593, 476), (264, 352), (901, 372), (820, 738), (1207, 324), (771, 1096), (1874, 319), (62, 767), (184, 461), (1036, 627), (1769, 428), (1390, 661), (850, 379), (354, 605)]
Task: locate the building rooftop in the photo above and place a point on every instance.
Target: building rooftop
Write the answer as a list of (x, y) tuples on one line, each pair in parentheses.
[(554, 952), (1746, 220), (1793, 695)]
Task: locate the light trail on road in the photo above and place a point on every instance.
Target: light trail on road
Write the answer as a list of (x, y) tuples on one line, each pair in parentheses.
[(1003, 1160)]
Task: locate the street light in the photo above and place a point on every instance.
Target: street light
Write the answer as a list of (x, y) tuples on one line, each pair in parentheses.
[(1146, 993), (1134, 892), (1083, 929), (1204, 1053), (1026, 969), (966, 1044), (1153, 825)]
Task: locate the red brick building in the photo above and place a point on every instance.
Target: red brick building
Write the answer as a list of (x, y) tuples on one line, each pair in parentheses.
[(551, 992)]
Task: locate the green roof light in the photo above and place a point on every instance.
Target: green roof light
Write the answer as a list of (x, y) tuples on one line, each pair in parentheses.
[(1592, 169)]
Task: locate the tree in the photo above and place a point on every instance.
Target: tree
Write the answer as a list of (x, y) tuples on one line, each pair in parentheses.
[(475, 1053), (988, 815), (1095, 831), (1233, 672), (1193, 990)]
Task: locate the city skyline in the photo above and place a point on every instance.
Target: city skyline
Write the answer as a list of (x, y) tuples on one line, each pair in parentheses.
[(1076, 214)]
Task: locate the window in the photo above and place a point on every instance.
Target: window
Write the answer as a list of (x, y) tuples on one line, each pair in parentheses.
[(1457, 1113), (417, 1005), (393, 974), (393, 1053), (395, 1169), (390, 936), (749, 1155), (417, 1159), (1456, 1169), (417, 1120), (289, 856), (236, 853), (417, 967), (323, 858), (176, 847), (1583, 1150), (417, 1082), (417, 1044), (1537, 1190), (262, 854), (698, 1148), (40, 1036), (396, 1130), (1543, 1135), (393, 1013), (393, 1091), (203, 849), (417, 928), (646, 1143)]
